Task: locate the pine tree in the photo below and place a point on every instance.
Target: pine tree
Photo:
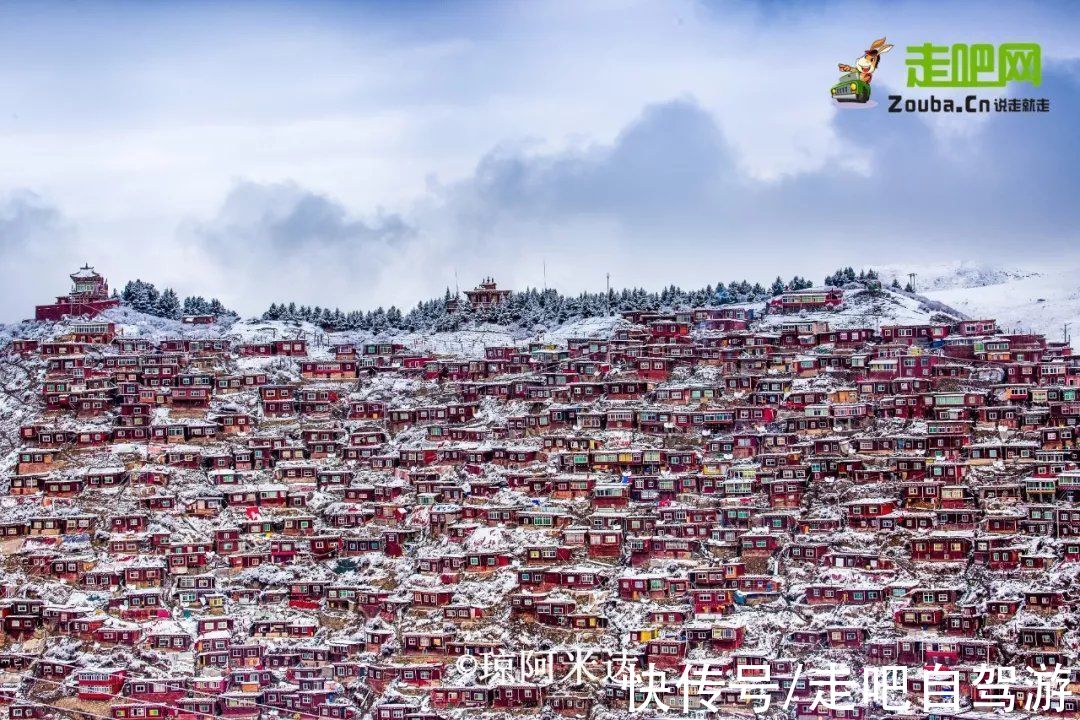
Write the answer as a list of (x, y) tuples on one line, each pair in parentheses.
[(722, 295), (152, 298), (143, 297), (777, 286), (168, 305), (194, 305)]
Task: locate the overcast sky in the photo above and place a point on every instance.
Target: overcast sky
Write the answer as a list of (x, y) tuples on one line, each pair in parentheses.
[(353, 155)]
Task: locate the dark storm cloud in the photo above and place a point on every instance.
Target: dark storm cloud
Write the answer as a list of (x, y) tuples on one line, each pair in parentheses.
[(26, 219), (284, 219), (35, 240), (672, 157), (671, 176)]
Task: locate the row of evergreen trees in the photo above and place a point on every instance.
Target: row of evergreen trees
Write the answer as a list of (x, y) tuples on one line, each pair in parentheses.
[(529, 308), (869, 278), (146, 298), (843, 276)]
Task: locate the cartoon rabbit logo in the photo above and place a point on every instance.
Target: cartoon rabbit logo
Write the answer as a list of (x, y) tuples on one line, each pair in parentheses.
[(854, 84)]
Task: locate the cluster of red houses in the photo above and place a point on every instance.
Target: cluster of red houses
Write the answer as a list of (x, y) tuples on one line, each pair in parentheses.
[(190, 531)]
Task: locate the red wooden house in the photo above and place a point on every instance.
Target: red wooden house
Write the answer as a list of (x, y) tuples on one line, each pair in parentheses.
[(100, 683), (793, 301)]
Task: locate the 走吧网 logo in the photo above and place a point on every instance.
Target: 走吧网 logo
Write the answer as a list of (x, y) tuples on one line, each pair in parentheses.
[(975, 65), (978, 65)]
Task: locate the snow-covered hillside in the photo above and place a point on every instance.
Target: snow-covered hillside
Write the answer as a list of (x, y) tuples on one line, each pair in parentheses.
[(951, 276), (1036, 300), (387, 509), (874, 309), (861, 309), (1040, 301)]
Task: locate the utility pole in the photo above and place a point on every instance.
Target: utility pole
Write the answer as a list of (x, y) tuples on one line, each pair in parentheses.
[(607, 293), (1065, 333)]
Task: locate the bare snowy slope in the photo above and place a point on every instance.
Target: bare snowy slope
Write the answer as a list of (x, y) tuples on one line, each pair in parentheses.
[(951, 276), (1041, 301), (874, 309)]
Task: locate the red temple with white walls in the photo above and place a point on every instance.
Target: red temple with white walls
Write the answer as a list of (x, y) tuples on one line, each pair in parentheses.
[(89, 296)]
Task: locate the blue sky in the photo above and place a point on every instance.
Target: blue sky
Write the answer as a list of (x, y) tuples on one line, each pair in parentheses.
[(361, 154)]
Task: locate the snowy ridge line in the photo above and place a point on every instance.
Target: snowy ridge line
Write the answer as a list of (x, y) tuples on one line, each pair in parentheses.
[(140, 325)]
